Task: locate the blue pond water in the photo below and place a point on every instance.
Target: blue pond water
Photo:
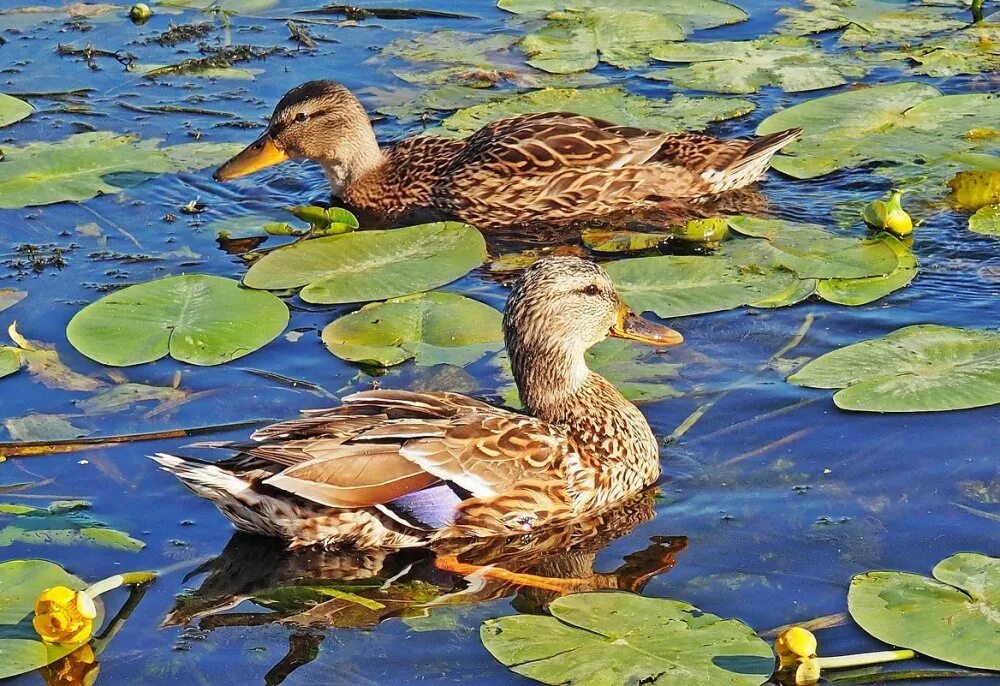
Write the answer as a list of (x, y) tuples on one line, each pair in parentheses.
[(782, 497)]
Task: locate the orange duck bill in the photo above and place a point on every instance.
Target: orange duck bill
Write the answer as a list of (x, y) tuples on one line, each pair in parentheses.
[(635, 328), (260, 154)]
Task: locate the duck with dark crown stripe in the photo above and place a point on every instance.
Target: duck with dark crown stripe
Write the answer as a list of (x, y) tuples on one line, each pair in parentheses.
[(395, 469), (552, 167)]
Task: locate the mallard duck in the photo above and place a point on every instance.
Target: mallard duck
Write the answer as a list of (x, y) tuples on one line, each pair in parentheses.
[(553, 167), (397, 469)]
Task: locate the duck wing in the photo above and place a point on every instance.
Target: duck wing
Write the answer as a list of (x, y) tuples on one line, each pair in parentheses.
[(382, 445), (552, 141)]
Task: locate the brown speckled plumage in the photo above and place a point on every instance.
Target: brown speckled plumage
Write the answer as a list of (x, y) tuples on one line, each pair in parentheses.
[(357, 473), (552, 167)]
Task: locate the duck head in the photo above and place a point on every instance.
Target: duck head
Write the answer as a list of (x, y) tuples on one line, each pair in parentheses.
[(320, 121), (557, 309)]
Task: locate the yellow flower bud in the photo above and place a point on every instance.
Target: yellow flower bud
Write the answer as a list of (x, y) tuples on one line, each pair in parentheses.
[(793, 645), (63, 615), (889, 215)]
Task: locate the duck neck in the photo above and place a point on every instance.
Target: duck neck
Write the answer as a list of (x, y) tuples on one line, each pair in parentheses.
[(358, 158), (557, 386)]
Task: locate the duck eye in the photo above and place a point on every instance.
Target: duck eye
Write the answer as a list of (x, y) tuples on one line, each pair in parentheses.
[(301, 117), (592, 289)]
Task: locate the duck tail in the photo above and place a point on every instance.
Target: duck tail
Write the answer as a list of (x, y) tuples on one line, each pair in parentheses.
[(756, 159), (204, 478)]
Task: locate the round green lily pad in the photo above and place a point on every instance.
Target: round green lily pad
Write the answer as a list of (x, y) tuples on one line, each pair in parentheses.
[(429, 328), (953, 617), (196, 318), (21, 650), (372, 265), (610, 639), (924, 368)]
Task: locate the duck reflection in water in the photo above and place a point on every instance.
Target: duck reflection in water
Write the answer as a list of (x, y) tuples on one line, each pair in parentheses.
[(329, 589)]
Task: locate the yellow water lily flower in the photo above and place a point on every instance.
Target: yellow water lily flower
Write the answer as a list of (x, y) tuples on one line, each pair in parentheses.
[(79, 668), (63, 615)]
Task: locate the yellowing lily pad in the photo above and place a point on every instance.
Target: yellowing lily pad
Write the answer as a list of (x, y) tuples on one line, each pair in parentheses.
[(909, 127), (924, 368), (87, 164), (13, 109), (429, 328), (21, 650), (580, 33), (196, 318), (952, 617), (791, 63), (393, 263), (599, 639), (870, 22), (680, 113)]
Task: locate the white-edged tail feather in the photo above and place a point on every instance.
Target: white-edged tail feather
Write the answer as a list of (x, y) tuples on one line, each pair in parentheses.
[(201, 477)]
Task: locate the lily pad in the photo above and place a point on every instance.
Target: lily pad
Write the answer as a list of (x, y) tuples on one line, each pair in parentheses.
[(42, 427), (986, 221), (814, 253), (580, 33), (909, 125), (924, 368), (869, 22), (229, 6), (10, 297), (21, 650), (618, 638), (10, 361), (87, 164), (615, 104), (952, 617), (788, 62), (429, 328), (13, 109), (394, 262), (702, 231), (196, 318), (865, 290), (971, 50), (741, 273)]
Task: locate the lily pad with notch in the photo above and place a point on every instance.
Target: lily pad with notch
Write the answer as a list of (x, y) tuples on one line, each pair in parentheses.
[(88, 164), (910, 129), (196, 318), (393, 262), (922, 368), (577, 35), (791, 63), (870, 22), (952, 617), (429, 328), (601, 639)]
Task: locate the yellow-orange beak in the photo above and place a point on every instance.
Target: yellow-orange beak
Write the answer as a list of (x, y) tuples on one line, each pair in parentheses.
[(260, 154), (635, 328)]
